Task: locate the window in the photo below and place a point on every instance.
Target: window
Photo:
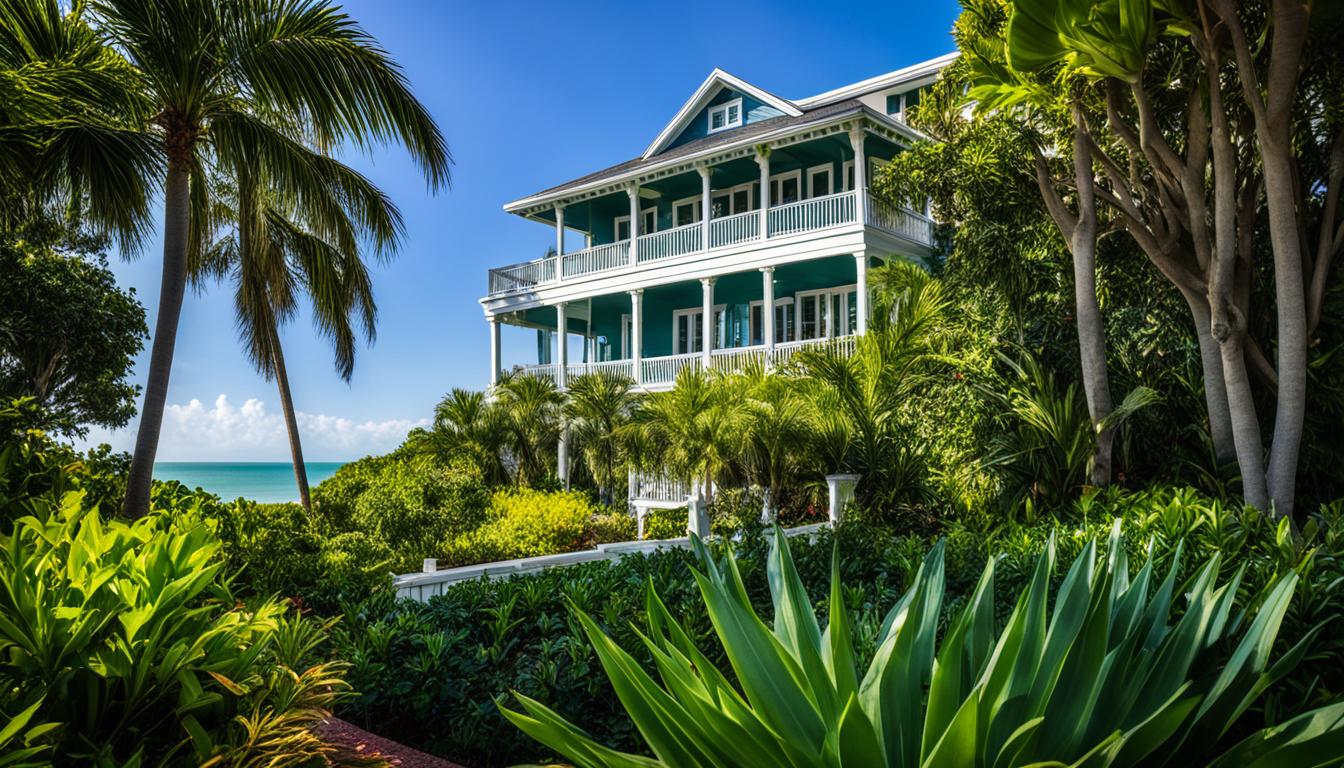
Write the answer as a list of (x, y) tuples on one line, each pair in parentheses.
[(725, 116), (783, 322), (848, 177), (895, 103), (784, 188), (622, 228), (685, 211), (819, 180), (648, 222), (688, 329), (827, 313)]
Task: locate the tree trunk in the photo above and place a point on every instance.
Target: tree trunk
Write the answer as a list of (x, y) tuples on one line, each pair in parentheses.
[(177, 189), (1215, 384), (1091, 329), (291, 423)]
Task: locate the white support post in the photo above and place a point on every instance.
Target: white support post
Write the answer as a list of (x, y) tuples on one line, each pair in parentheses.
[(861, 290), (562, 457), (494, 351), (633, 192), (637, 331), (561, 345), (763, 160), (704, 171), (768, 308), (856, 136), (707, 316), (559, 230)]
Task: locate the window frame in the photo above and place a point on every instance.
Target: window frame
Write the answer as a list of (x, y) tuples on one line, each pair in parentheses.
[(723, 109)]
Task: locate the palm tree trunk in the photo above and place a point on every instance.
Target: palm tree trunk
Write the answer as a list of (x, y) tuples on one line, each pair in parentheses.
[(177, 189), (291, 423), (1215, 384)]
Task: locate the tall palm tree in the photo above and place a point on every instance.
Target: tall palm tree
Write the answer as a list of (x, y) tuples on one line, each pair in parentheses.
[(533, 407), (221, 76), (597, 408), (277, 245)]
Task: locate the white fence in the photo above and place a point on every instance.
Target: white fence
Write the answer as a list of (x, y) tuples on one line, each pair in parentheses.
[(738, 228), (664, 370), (737, 358), (658, 488)]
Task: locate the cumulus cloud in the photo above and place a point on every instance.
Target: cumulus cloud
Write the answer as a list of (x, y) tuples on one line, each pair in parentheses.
[(224, 432)]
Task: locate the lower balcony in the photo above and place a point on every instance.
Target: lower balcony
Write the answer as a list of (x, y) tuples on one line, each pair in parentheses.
[(660, 373)]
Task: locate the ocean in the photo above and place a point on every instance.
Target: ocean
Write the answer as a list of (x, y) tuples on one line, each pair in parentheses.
[(260, 481)]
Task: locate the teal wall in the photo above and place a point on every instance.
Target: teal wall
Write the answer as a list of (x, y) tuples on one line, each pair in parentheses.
[(754, 110)]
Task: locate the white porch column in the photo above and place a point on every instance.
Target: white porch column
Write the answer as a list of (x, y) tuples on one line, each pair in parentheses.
[(562, 457), (637, 331), (763, 160), (559, 230), (494, 351), (633, 192), (561, 345), (707, 316), (856, 135), (704, 171), (861, 290), (768, 307)]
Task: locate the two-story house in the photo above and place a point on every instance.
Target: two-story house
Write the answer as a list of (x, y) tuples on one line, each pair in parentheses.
[(744, 231)]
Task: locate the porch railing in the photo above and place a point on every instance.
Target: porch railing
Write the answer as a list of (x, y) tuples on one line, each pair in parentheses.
[(736, 359), (543, 371), (658, 488), (670, 242), (784, 352), (624, 368), (899, 221), (664, 370), (738, 228), (599, 258), (522, 277), (813, 214)]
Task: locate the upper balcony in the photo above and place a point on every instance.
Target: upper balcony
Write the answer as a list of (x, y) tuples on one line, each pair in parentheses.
[(689, 242)]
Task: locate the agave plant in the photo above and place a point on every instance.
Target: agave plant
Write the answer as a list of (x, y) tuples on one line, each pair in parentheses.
[(1113, 676)]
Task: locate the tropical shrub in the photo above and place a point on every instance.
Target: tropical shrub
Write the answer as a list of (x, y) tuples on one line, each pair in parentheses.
[(523, 523), (128, 636), (665, 523), (429, 674), (612, 527), (1110, 677)]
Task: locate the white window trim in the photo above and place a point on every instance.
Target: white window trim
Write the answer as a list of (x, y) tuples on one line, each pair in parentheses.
[(847, 176), (827, 168), (723, 109), (693, 201), (787, 301), (616, 222), (699, 326), (829, 332), (731, 192), (625, 337), (777, 182)]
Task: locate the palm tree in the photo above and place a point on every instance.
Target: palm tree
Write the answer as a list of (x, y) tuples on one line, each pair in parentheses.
[(70, 123), (776, 429), (273, 250), (218, 77), (694, 429), (597, 408), (466, 424), (532, 406)]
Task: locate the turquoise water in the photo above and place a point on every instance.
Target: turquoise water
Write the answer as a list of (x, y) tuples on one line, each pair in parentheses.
[(259, 481)]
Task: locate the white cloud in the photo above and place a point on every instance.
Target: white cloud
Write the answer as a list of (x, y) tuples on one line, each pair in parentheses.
[(223, 432)]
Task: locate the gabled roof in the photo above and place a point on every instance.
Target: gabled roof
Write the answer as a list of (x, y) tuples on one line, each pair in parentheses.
[(707, 90)]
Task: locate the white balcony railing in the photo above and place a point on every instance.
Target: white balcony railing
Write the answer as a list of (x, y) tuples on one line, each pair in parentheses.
[(658, 488), (738, 228), (670, 242), (661, 372), (808, 215), (899, 221), (815, 214), (599, 258)]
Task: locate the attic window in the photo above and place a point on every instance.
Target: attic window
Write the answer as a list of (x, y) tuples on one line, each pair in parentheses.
[(725, 116)]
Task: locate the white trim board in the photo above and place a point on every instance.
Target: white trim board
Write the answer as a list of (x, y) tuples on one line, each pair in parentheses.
[(707, 90)]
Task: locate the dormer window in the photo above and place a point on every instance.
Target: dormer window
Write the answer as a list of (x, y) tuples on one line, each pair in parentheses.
[(725, 116)]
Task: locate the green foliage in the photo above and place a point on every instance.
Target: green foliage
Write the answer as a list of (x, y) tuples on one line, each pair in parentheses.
[(523, 523), (430, 673), (1110, 677), (68, 334), (413, 505), (128, 637), (665, 523), (613, 527)]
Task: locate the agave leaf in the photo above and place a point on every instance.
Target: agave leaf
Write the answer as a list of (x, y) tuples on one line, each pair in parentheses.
[(548, 727), (959, 663), (1314, 738)]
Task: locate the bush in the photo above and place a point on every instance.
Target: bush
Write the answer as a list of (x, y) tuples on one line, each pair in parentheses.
[(524, 523), (136, 646), (612, 527), (430, 673), (666, 523)]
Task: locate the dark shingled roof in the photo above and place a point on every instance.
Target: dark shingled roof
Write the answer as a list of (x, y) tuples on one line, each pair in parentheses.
[(705, 143)]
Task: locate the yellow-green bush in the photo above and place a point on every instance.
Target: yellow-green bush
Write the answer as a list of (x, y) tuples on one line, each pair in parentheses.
[(524, 523), (665, 523), (615, 526)]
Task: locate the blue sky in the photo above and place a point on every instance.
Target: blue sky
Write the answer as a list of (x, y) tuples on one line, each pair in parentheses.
[(528, 95)]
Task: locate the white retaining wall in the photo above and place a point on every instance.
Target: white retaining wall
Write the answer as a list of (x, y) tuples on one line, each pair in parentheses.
[(422, 586)]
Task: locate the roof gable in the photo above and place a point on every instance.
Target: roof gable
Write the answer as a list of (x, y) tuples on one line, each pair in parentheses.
[(765, 103)]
